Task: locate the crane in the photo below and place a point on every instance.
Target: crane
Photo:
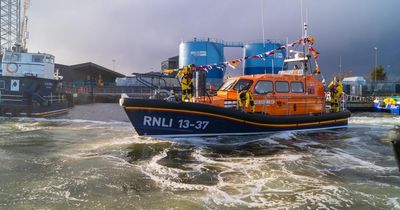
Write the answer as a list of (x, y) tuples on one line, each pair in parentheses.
[(13, 29), (24, 34), (24, 25)]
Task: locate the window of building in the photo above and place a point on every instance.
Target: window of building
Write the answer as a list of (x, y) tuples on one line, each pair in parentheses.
[(2, 84), (263, 87), (243, 84), (282, 87), (297, 87)]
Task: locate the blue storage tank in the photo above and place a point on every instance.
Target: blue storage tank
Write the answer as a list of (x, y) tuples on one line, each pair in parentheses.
[(261, 66), (203, 52)]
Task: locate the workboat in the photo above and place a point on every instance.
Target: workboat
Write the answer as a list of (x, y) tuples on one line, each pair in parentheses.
[(289, 100), (29, 86)]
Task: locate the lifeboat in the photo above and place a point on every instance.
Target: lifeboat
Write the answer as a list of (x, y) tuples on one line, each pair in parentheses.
[(290, 100), (282, 102)]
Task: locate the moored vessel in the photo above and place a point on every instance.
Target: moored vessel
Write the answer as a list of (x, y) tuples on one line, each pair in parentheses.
[(29, 86)]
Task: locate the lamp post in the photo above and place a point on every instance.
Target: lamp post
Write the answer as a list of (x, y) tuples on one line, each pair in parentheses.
[(114, 64), (376, 63)]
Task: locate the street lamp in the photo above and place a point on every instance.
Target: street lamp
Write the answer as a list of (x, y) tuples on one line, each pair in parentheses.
[(376, 60), (114, 64)]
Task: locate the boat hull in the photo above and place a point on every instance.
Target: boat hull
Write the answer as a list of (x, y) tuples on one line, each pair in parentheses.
[(393, 109), (173, 119), (31, 97)]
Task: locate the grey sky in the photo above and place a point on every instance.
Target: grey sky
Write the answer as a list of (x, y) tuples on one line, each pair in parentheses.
[(139, 34)]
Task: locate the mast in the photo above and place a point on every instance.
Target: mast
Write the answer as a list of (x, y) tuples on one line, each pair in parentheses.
[(263, 35)]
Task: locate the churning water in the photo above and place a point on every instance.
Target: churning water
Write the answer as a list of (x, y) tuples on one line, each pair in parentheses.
[(92, 159)]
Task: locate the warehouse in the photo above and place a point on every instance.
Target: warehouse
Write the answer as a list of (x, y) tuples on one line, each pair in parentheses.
[(87, 74)]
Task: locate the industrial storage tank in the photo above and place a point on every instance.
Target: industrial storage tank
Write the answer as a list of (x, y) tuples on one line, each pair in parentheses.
[(272, 64), (204, 52)]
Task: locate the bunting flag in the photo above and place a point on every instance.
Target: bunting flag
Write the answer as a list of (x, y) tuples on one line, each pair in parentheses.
[(269, 53), (314, 52), (221, 66), (311, 40), (253, 56), (294, 43), (233, 63), (317, 71), (281, 48), (205, 68)]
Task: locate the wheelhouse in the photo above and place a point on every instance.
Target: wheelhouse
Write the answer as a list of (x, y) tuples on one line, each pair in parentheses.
[(19, 64), (274, 94)]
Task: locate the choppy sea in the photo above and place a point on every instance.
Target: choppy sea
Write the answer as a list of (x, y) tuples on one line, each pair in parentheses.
[(92, 158)]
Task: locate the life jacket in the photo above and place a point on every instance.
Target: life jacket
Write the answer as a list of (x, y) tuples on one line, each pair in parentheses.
[(246, 95), (242, 95), (189, 73)]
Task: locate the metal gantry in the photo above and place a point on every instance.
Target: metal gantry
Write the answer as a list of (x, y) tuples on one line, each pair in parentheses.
[(10, 23)]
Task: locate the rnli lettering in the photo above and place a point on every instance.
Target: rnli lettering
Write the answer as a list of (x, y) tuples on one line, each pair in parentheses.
[(179, 123), (198, 125), (157, 122)]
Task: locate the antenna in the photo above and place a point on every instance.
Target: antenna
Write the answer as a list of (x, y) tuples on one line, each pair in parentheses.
[(262, 22), (263, 34), (306, 24), (302, 22), (287, 48)]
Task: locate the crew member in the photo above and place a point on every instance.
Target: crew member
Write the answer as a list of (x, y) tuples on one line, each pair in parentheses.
[(187, 81), (245, 100), (212, 88), (336, 91)]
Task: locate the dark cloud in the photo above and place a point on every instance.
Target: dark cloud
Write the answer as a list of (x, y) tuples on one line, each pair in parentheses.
[(140, 34)]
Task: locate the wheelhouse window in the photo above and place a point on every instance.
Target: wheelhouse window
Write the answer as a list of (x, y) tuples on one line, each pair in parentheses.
[(49, 59), (38, 58), (12, 57), (282, 87), (2, 84), (227, 85), (297, 87), (263, 87), (243, 84)]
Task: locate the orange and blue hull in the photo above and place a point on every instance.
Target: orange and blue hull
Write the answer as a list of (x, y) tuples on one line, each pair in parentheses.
[(174, 119)]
